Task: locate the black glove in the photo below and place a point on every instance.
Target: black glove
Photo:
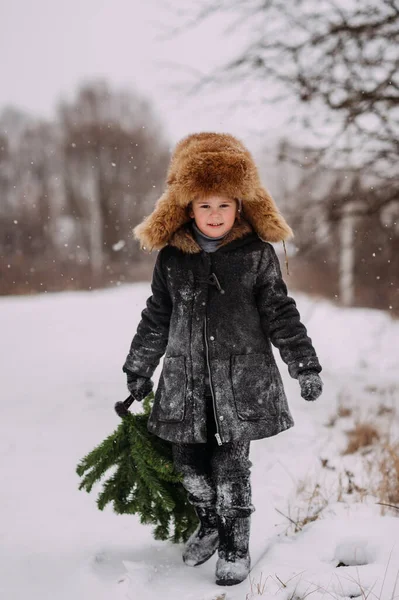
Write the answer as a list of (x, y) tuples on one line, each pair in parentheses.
[(138, 386), (311, 385)]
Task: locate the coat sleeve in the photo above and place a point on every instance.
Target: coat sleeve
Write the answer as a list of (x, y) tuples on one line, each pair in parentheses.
[(151, 338), (280, 318)]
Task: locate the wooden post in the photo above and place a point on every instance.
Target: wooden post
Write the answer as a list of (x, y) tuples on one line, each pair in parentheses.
[(347, 254)]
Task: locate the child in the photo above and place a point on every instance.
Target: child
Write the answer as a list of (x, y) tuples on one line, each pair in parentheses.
[(218, 303)]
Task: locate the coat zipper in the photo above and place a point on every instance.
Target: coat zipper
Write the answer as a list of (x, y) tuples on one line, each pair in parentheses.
[(217, 434)]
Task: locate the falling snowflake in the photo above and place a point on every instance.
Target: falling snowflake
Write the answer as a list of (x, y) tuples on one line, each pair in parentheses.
[(119, 245)]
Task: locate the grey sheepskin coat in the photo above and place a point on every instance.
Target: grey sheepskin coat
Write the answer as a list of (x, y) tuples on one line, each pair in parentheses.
[(219, 313)]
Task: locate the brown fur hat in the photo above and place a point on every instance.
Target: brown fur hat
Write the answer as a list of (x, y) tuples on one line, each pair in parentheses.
[(204, 164)]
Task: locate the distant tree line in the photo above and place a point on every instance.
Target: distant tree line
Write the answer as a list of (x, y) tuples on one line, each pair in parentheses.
[(72, 189)]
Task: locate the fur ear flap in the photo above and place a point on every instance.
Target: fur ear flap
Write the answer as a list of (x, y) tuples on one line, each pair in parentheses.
[(264, 216), (155, 230)]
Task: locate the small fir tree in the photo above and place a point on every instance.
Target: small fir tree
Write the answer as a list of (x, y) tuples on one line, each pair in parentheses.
[(142, 479)]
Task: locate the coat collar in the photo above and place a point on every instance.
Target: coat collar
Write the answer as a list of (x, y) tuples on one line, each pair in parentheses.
[(184, 239)]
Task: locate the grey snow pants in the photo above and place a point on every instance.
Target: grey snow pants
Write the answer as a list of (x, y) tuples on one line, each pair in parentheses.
[(216, 476)]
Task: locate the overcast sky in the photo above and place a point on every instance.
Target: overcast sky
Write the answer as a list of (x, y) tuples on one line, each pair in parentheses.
[(48, 47)]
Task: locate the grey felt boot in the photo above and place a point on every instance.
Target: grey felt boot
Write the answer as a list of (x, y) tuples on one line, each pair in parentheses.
[(234, 561), (203, 543)]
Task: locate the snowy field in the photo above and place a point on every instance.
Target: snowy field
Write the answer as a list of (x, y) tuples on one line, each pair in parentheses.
[(317, 532)]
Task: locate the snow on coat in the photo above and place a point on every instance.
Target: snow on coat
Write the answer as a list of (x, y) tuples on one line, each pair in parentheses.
[(218, 313)]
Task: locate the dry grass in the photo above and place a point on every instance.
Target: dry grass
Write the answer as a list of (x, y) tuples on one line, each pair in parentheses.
[(384, 410), (301, 589), (344, 401), (388, 468), (331, 421), (363, 435), (316, 497), (316, 502), (257, 589), (344, 411)]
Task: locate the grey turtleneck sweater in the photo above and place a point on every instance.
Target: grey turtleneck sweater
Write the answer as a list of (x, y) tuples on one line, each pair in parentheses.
[(207, 243)]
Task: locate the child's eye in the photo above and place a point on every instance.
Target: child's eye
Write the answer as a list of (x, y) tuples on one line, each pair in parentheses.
[(221, 205)]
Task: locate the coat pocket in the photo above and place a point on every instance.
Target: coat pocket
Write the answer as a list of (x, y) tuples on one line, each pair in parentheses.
[(171, 392), (254, 382)]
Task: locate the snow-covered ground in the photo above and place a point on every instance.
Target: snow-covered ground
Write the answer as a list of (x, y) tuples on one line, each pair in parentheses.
[(60, 374)]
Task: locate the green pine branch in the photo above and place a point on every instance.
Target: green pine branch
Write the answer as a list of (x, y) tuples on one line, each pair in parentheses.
[(139, 478)]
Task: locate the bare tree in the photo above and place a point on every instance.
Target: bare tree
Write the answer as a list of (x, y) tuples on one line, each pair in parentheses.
[(339, 60), (336, 66), (5, 173), (38, 174), (346, 239), (115, 156)]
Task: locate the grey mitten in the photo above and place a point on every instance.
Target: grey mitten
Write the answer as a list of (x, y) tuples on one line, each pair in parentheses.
[(311, 385)]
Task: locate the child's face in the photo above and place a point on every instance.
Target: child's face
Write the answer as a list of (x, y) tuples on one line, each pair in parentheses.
[(214, 215)]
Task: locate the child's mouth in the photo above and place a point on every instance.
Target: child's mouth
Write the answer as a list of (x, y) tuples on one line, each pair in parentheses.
[(215, 224)]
